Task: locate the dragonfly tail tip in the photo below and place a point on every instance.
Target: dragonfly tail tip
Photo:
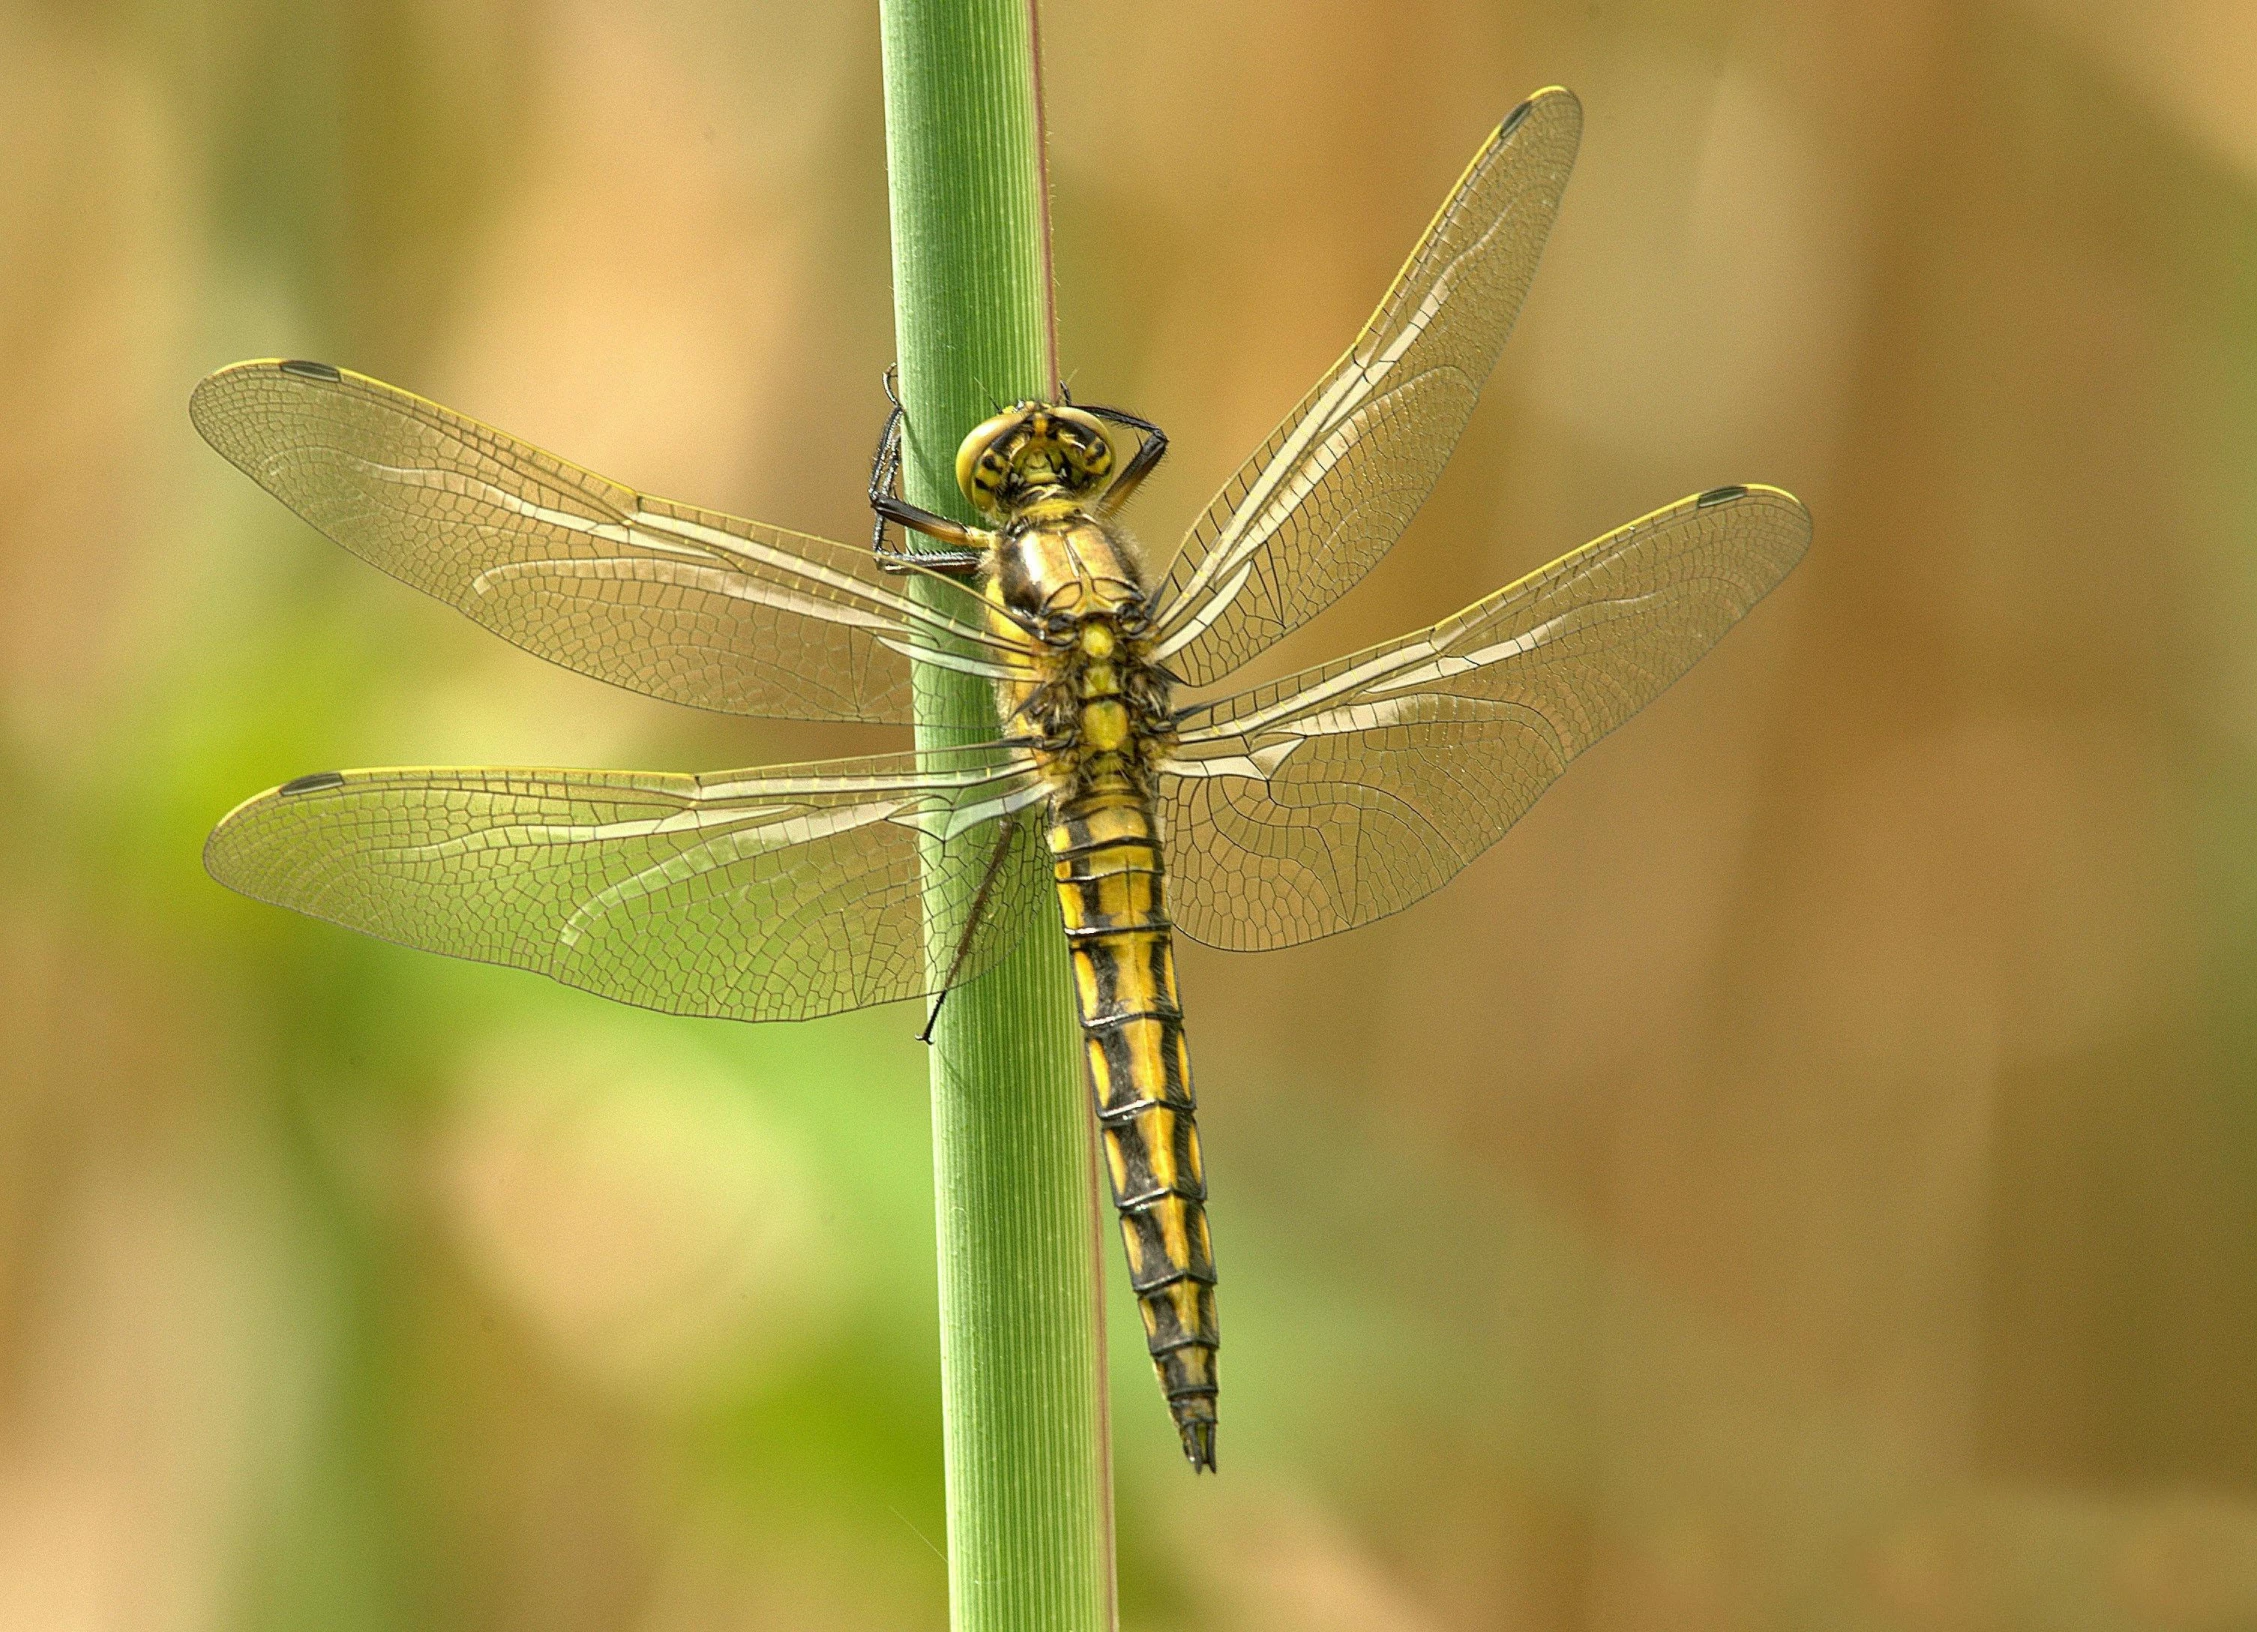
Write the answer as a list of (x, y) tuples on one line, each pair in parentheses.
[(1199, 1446)]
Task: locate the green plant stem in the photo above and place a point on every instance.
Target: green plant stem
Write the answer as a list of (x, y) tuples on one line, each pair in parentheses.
[(1029, 1475)]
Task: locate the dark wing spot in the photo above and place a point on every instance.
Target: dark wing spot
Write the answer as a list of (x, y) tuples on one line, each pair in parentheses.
[(311, 784), (1719, 495), (1513, 119), (312, 371)]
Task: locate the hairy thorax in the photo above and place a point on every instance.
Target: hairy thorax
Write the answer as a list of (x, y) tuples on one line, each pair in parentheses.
[(1095, 708)]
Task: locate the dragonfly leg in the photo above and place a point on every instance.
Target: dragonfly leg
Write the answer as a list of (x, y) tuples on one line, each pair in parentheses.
[(1004, 830), (1151, 448), (965, 561), (962, 561)]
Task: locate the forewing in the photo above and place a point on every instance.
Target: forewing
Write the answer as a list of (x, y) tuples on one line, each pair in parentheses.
[(1335, 485), (684, 604), (1350, 791), (776, 894)]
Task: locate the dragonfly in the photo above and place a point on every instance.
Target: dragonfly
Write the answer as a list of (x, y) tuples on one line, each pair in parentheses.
[(1124, 783)]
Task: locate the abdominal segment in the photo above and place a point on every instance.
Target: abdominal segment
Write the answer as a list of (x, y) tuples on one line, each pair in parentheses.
[(1107, 859)]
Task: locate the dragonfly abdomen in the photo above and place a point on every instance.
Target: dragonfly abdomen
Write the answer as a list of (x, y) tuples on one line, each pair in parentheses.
[(1105, 846)]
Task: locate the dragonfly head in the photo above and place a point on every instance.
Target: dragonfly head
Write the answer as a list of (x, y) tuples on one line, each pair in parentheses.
[(1033, 450)]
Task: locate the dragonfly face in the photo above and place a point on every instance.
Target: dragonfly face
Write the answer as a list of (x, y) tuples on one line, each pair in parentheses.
[(1033, 453), (1246, 820)]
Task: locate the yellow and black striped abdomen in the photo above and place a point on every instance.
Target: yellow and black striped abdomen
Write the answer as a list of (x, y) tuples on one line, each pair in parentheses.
[(1106, 848)]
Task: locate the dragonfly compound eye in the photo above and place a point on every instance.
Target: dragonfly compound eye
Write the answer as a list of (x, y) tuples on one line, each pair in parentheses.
[(1083, 446), (982, 466)]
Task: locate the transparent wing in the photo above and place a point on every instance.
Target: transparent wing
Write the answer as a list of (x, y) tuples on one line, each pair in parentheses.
[(683, 604), (776, 894), (1335, 485), (1348, 792)]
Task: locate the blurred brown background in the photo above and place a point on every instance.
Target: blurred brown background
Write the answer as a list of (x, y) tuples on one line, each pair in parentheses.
[(1814, 1159)]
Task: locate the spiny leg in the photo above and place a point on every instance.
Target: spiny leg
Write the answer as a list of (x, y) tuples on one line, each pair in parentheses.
[(963, 561), (885, 464), (1004, 832), (1151, 448)]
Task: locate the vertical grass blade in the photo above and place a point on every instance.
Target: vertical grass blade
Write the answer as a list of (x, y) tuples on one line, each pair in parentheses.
[(1029, 1476)]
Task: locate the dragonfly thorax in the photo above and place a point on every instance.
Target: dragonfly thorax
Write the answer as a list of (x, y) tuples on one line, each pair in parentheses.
[(1051, 573), (1074, 583), (1033, 454)]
